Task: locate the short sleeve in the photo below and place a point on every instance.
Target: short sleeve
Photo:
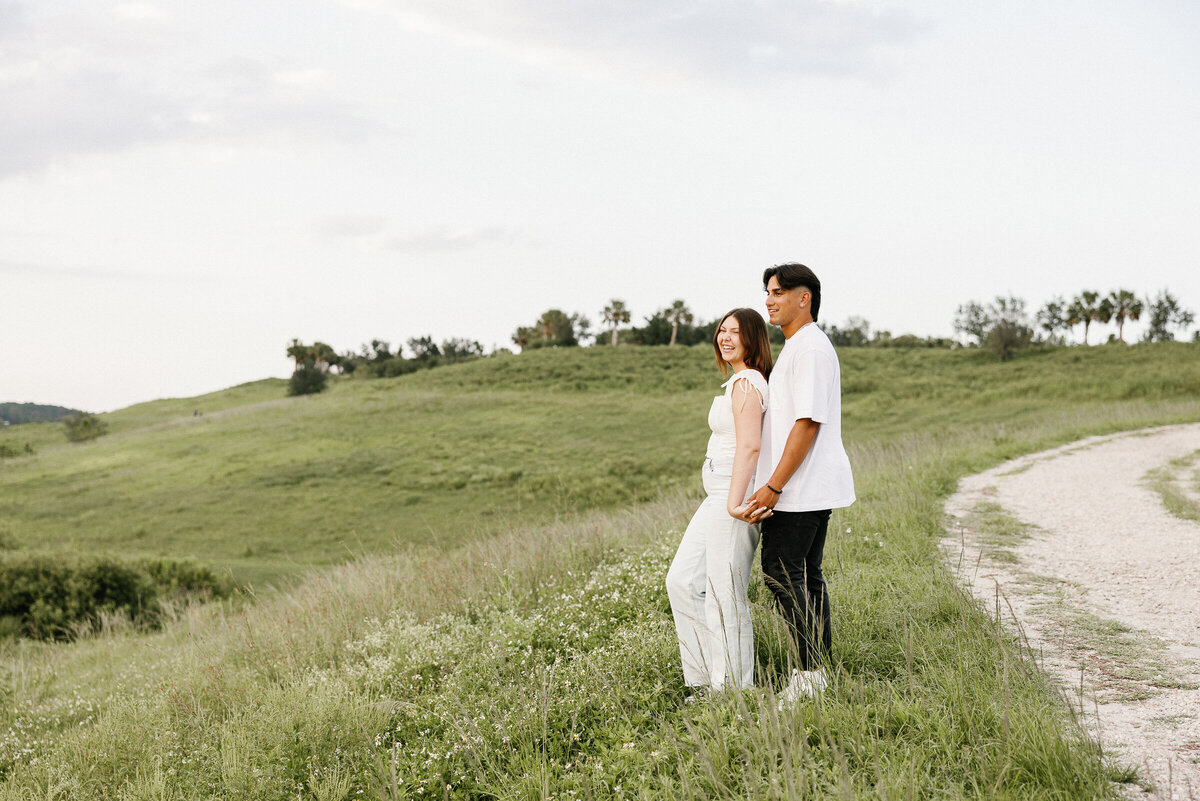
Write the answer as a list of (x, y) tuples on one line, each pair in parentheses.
[(811, 385), (745, 383)]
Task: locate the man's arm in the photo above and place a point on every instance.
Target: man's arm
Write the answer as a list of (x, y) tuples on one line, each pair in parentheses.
[(799, 442)]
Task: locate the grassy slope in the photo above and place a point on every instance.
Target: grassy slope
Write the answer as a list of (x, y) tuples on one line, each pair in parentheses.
[(568, 629), (267, 485)]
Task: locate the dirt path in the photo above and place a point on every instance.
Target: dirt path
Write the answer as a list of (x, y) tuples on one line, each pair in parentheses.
[(1077, 550)]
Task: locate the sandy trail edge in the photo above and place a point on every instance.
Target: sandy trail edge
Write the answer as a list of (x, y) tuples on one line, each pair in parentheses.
[(1104, 547)]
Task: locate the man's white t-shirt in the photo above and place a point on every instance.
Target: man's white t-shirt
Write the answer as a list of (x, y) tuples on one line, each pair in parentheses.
[(806, 382)]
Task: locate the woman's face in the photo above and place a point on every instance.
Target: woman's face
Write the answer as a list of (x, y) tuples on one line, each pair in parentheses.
[(729, 340)]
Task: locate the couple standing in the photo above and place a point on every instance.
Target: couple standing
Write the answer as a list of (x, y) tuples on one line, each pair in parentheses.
[(775, 462)]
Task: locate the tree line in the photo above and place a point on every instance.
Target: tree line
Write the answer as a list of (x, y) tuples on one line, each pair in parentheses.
[(677, 325), (671, 325), (1004, 326), (18, 413), (374, 359), (554, 328)]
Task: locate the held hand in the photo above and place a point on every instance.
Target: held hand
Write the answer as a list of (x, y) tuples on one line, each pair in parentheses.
[(749, 513), (764, 497)]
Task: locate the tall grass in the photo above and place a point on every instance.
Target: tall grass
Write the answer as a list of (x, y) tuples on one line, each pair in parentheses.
[(543, 662), (540, 661)]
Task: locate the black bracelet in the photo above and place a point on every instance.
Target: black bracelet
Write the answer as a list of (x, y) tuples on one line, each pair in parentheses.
[(772, 489)]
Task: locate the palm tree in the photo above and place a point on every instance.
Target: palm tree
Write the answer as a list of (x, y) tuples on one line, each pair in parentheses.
[(322, 355), (615, 313), (1076, 314), (1088, 308), (298, 352), (1104, 311), (1125, 306), (677, 313)]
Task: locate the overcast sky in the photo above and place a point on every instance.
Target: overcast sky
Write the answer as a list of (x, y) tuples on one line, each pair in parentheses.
[(184, 187)]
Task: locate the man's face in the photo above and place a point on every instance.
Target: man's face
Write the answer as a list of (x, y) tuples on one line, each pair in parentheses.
[(785, 305)]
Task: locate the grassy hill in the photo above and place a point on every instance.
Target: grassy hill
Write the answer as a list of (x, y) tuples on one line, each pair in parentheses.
[(267, 486), (518, 644)]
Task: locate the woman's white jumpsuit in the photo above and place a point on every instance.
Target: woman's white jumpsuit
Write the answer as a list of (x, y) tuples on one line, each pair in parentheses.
[(710, 574)]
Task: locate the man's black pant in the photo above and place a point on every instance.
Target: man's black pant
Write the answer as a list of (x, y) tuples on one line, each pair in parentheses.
[(792, 546)]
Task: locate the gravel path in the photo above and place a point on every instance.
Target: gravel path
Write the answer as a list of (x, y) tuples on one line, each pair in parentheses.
[(1077, 551)]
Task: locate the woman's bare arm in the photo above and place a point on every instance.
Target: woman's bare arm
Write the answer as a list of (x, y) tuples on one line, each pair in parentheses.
[(747, 426)]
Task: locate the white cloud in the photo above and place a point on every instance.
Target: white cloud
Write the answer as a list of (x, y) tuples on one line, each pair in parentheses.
[(349, 225), (302, 78), (12, 19), (711, 37), (374, 233), (104, 80), (248, 97), (140, 11), (445, 240), (47, 114), (27, 269)]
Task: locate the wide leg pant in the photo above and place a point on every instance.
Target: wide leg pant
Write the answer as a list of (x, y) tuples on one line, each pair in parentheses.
[(707, 585)]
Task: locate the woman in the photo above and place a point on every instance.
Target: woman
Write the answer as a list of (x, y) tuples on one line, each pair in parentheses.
[(710, 574)]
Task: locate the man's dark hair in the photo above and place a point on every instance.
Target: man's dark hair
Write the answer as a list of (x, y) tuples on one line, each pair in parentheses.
[(793, 275)]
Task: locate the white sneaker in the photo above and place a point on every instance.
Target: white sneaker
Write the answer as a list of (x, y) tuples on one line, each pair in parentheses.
[(803, 684), (798, 687)]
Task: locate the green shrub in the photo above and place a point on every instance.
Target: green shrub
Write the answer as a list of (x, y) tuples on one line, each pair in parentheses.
[(390, 368), (49, 597), (307, 380), (183, 577), (9, 452), (83, 426)]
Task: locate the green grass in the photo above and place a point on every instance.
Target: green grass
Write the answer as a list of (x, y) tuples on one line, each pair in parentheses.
[(276, 486), (1125, 664), (1179, 496), (267, 486), (997, 530), (539, 660)]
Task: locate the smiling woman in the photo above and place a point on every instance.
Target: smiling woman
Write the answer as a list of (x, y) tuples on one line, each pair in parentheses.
[(710, 575)]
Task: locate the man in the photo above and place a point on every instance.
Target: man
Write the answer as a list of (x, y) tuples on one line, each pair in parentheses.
[(806, 470)]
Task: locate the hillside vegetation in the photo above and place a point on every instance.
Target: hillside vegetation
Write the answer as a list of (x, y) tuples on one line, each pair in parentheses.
[(267, 486), (539, 660), (18, 413)]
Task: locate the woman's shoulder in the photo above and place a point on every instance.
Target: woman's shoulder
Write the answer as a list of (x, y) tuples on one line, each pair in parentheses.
[(755, 379), (750, 374)]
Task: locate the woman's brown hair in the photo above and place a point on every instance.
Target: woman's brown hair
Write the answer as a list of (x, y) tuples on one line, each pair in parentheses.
[(753, 333)]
